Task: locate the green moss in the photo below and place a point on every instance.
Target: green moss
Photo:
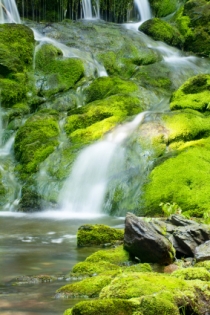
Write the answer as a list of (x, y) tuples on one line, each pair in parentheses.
[(192, 273), (89, 287), (16, 48), (162, 31), (205, 264), (60, 74), (93, 120), (104, 307), (13, 91), (131, 285), (123, 63), (35, 140), (160, 303), (104, 87), (87, 268), (97, 234), (114, 255), (172, 181), (194, 93), (164, 7), (186, 125), (138, 268)]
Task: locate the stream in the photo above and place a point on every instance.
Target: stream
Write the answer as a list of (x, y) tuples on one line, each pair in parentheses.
[(40, 244)]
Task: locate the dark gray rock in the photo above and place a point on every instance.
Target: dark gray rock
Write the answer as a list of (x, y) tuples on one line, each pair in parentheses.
[(179, 220), (142, 241), (202, 252)]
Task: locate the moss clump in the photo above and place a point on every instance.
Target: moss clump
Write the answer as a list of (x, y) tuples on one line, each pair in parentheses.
[(90, 287), (163, 8), (104, 307), (172, 181), (124, 64), (93, 120), (192, 273), (131, 285), (87, 268), (35, 140), (114, 255), (162, 31), (16, 48), (105, 86), (60, 74), (97, 234), (205, 264), (194, 93), (161, 304), (186, 125), (138, 268)]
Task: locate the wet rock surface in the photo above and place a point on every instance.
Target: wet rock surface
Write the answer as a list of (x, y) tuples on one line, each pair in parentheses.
[(153, 241), (143, 242)]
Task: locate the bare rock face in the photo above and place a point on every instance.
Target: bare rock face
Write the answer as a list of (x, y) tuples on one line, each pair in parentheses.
[(142, 241), (202, 252), (185, 235)]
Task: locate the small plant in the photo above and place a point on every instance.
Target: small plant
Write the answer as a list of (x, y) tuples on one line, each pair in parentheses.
[(206, 217), (170, 208)]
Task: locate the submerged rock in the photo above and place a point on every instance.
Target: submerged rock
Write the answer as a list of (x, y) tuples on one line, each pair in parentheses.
[(143, 242)]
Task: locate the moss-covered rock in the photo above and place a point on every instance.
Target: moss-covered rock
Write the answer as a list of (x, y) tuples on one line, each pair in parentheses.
[(204, 264), (87, 268), (16, 48), (59, 74), (192, 273), (93, 120), (35, 140), (90, 287), (194, 94), (114, 255), (104, 307), (105, 86), (164, 7), (162, 31), (98, 234)]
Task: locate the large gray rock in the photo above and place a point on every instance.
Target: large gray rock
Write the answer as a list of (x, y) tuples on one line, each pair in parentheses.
[(185, 235), (202, 252), (143, 242)]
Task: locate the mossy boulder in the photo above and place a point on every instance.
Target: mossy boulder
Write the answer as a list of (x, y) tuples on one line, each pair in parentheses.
[(192, 273), (162, 31), (164, 7), (57, 73), (36, 140), (194, 94), (104, 307), (87, 268), (89, 287), (204, 264), (16, 48), (92, 121), (104, 87), (101, 261), (98, 234)]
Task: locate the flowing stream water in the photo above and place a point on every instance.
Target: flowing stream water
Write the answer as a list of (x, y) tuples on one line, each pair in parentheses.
[(45, 243)]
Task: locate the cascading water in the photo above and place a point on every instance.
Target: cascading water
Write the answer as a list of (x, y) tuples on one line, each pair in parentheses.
[(84, 191), (143, 9), (9, 12), (90, 11)]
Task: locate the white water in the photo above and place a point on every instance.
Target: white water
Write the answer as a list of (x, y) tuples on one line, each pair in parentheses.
[(9, 12), (84, 191), (143, 8), (90, 11)]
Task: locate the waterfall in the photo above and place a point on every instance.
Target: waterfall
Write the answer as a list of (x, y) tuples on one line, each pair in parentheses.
[(143, 8), (9, 12), (90, 11), (84, 191)]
